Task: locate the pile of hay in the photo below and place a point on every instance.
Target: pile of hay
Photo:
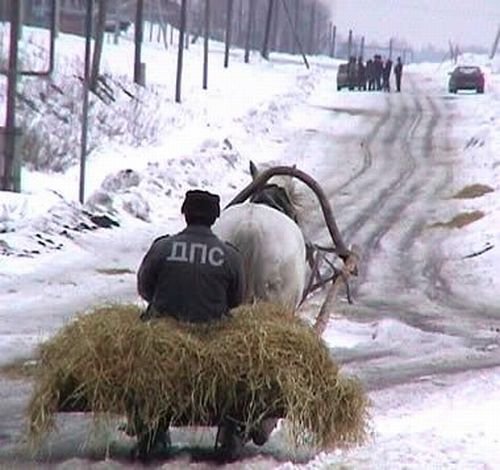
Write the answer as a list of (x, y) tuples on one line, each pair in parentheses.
[(260, 362)]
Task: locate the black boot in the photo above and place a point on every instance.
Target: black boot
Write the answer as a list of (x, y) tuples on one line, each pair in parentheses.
[(151, 445), (231, 437), (260, 434)]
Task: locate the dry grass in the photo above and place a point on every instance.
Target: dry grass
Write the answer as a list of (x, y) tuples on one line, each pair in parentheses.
[(473, 191), (263, 362), (460, 220)]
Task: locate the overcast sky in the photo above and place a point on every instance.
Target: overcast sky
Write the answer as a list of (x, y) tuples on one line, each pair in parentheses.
[(466, 22)]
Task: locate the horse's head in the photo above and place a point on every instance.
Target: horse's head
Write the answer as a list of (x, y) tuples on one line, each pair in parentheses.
[(261, 180), (273, 195), (277, 193)]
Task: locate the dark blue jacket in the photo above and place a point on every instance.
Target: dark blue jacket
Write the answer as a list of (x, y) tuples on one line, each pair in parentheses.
[(193, 276)]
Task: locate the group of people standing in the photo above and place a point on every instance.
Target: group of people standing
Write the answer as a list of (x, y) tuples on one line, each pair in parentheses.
[(375, 74)]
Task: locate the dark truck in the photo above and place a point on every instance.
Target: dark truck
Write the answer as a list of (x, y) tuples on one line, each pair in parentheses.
[(351, 75), (343, 77)]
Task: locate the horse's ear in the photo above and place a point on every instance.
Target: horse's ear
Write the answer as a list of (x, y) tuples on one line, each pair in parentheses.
[(253, 170)]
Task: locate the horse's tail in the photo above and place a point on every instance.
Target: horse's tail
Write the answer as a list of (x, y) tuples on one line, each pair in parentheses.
[(248, 244)]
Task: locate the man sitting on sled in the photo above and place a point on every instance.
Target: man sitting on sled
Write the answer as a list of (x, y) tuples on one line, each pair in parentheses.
[(194, 277)]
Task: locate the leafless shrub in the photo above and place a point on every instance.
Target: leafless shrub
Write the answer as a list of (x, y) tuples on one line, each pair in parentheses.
[(51, 117)]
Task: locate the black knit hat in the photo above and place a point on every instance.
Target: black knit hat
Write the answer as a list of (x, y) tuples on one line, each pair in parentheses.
[(203, 204)]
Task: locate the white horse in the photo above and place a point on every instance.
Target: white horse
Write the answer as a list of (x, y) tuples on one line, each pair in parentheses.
[(267, 233), (273, 250)]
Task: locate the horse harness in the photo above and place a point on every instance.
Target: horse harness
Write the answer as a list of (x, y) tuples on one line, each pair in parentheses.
[(277, 198)]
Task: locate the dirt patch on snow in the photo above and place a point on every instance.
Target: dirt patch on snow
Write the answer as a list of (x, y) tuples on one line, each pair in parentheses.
[(472, 191), (460, 220)]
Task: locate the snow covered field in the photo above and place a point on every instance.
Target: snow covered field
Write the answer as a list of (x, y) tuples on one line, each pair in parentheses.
[(52, 266)]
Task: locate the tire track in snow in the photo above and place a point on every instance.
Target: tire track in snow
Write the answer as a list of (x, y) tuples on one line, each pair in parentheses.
[(367, 155), (366, 184), (426, 178), (381, 208)]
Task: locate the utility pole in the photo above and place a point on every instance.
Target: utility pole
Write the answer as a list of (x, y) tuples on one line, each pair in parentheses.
[(450, 45), (495, 44), (334, 38), (250, 28), (312, 29), (57, 15), (138, 68), (180, 51), (329, 37), (296, 19), (274, 27), (265, 46), (187, 29), (11, 175), (349, 45), (98, 43), (116, 33), (229, 21), (205, 44), (294, 31), (86, 87), (454, 52)]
